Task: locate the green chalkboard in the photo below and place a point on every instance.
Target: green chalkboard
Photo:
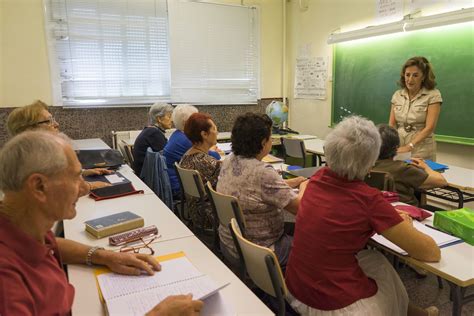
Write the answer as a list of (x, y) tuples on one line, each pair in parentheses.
[(365, 75)]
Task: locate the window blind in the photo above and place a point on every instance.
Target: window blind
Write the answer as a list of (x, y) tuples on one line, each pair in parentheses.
[(109, 51), (214, 52)]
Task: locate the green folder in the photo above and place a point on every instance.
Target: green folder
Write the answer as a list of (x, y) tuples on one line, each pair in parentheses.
[(460, 223)]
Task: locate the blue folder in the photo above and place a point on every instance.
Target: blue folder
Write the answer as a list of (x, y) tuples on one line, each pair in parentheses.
[(433, 165)]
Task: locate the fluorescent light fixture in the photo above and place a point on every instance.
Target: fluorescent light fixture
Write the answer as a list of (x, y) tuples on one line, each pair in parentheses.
[(405, 25)]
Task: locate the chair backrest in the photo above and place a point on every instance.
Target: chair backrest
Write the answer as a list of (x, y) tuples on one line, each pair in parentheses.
[(191, 182), (380, 180), (128, 150), (226, 207), (262, 266), (118, 136), (294, 148)]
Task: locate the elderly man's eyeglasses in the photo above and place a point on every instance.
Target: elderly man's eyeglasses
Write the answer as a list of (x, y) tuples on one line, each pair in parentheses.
[(49, 121), (142, 247)]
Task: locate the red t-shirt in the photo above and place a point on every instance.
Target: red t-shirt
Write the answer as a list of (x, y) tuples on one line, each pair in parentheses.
[(32, 281), (335, 219)]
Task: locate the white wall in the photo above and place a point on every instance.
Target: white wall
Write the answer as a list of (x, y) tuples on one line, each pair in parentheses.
[(313, 26)]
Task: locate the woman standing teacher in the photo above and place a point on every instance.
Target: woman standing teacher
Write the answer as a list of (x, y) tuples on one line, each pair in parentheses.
[(415, 109)]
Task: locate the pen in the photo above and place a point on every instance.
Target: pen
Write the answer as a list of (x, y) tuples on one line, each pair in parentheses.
[(432, 227)]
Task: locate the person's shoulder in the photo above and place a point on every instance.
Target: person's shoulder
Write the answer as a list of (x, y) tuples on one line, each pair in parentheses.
[(434, 92)]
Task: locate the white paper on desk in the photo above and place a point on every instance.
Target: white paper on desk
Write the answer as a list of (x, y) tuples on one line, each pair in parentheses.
[(114, 285), (142, 302), (439, 237), (225, 147), (113, 178), (136, 295), (303, 137)]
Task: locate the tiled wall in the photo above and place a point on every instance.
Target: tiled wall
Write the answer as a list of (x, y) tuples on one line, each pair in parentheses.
[(100, 122)]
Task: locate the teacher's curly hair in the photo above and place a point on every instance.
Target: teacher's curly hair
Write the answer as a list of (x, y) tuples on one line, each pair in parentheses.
[(426, 68)]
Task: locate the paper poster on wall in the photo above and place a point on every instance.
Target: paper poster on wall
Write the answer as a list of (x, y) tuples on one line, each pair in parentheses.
[(388, 11), (310, 78)]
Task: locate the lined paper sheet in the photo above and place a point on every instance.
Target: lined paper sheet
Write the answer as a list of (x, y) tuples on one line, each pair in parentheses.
[(114, 285), (136, 295), (439, 237), (142, 302)]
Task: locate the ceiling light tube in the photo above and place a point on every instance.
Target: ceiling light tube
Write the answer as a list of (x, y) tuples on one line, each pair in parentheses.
[(407, 24)]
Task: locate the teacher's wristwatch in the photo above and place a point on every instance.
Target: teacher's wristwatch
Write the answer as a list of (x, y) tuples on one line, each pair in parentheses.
[(411, 145)]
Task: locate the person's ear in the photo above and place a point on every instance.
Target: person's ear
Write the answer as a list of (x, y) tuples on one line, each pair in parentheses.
[(37, 186)]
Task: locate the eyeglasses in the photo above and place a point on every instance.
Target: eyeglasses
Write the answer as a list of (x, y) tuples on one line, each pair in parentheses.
[(49, 121), (141, 248)]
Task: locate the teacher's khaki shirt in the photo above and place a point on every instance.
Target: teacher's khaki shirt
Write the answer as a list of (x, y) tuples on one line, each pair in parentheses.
[(413, 113)]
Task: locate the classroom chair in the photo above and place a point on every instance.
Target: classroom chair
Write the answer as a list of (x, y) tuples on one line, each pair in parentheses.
[(294, 148), (262, 266), (227, 207), (155, 175), (380, 180), (122, 138), (128, 150), (193, 187)]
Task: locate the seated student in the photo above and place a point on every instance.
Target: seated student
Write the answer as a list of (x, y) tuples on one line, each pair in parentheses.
[(260, 190), (40, 176), (202, 132), (152, 136), (36, 116), (408, 177), (178, 144), (329, 271)]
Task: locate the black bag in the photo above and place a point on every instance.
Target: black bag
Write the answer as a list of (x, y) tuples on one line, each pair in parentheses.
[(100, 158)]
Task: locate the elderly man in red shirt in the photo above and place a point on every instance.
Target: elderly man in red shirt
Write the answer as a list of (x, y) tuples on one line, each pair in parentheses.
[(41, 180)]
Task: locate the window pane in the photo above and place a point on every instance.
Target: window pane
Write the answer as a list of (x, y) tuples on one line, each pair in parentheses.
[(111, 51)]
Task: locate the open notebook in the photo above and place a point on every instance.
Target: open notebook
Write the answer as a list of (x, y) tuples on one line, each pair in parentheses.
[(136, 295), (440, 238)]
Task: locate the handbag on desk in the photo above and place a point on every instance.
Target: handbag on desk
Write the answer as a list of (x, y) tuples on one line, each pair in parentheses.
[(100, 158), (122, 188), (114, 191)]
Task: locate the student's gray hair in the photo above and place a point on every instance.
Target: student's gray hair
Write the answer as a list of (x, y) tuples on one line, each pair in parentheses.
[(181, 114), (159, 110), (352, 148), (31, 152)]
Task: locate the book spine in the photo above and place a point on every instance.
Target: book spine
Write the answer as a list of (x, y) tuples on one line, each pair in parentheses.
[(116, 228)]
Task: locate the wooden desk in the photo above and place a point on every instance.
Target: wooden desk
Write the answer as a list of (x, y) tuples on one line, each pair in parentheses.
[(461, 178), (456, 267), (460, 187), (150, 207), (236, 298), (89, 144), (316, 147)]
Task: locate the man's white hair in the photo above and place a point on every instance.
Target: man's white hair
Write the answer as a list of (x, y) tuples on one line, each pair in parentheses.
[(181, 114), (352, 147), (31, 152)]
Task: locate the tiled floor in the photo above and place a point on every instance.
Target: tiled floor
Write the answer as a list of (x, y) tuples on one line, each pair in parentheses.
[(425, 292)]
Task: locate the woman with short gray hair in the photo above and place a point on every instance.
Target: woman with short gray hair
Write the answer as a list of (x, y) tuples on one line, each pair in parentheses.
[(329, 270), (153, 135)]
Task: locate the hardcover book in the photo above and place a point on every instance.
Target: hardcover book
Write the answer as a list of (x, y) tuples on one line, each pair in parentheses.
[(113, 224)]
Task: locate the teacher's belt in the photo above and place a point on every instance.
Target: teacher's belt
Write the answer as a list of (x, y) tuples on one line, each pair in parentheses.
[(411, 127)]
